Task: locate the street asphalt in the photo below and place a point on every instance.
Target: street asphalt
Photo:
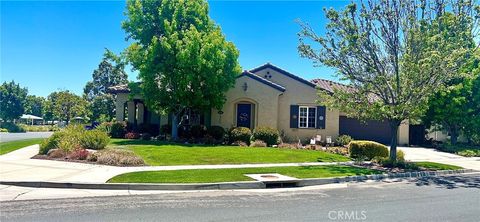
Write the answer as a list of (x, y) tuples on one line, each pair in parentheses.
[(448, 198), (5, 137)]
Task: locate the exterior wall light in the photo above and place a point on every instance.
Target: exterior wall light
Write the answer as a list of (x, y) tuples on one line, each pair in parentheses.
[(245, 86)]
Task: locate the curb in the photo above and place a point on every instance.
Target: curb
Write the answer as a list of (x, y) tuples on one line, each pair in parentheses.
[(228, 185)]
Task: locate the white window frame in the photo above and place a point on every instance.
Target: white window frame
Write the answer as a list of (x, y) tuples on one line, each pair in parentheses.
[(307, 117)]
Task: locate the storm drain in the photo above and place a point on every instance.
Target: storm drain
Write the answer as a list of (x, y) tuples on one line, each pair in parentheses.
[(274, 180)]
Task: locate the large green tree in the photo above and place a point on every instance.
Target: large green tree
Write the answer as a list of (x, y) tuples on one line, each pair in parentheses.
[(65, 105), (182, 56), (34, 105), (456, 108), (110, 72), (394, 53), (12, 100)]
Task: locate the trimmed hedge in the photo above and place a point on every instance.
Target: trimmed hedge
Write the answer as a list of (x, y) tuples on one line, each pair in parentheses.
[(217, 132), (367, 149), (266, 134), (242, 134)]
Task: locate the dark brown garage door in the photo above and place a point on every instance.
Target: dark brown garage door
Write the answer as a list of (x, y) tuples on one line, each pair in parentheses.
[(371, 130)]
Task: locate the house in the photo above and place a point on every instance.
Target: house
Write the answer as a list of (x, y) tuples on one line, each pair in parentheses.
[(269, 96)]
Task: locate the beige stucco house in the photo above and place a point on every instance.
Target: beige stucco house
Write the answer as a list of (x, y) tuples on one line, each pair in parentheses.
[(269, 96)]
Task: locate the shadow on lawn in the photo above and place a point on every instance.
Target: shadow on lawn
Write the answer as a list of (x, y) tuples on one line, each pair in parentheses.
[(132, 142)]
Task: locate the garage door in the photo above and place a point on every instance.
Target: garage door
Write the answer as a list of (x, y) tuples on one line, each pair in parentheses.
[(378, 131)]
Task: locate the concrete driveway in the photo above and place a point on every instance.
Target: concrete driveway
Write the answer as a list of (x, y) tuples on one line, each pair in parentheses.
[(5, 137), (432, 155)]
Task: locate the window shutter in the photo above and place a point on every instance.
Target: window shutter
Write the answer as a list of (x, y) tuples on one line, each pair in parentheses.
[(321, 117), (293, 116)]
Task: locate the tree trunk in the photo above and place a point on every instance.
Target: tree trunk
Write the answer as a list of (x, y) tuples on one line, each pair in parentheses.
[(394, 125), (174, 126), (453, 135)]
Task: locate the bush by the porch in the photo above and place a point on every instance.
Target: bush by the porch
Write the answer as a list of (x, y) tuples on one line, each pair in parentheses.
[(240, 134), (267, 134)]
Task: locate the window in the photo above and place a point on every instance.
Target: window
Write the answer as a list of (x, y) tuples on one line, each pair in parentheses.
[(307, 117)]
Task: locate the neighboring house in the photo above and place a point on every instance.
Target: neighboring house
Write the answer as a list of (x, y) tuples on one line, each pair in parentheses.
[(269, 96)]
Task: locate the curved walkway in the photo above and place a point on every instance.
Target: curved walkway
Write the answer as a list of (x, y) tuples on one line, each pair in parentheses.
[(17, 166)]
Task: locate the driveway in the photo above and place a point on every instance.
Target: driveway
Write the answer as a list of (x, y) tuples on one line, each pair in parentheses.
[(432, 155), (5, 137)]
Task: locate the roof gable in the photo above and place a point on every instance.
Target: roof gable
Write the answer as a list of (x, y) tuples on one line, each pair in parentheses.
[(262, 80), (284, 72)]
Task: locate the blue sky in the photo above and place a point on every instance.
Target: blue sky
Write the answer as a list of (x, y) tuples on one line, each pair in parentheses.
[(47, 46)]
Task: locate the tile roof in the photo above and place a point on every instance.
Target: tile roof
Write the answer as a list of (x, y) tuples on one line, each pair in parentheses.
[(329, 85)]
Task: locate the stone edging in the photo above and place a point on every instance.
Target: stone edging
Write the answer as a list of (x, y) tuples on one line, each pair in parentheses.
[(227, 185)]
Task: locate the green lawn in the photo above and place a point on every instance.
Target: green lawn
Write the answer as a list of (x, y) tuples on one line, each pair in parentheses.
[(229, 175), (437, 166), (163, 154), (6, 147)]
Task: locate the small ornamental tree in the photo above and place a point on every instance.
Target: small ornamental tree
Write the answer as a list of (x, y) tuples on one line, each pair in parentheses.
[(394, 53), (183, 59)]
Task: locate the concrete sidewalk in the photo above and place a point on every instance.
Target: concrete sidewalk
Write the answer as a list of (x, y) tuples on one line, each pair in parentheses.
[(17, 166), (418, 154)]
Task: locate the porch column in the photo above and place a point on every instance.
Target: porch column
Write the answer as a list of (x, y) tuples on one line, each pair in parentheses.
[(120, 110), (140, 113), (131, 112)]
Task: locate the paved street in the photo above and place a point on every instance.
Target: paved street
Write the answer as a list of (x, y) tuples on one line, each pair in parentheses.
[(5, 137), (453, 198)]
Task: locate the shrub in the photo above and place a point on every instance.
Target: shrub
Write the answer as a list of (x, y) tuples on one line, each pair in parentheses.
[(12, 127), (367, 149), (198, 131), (166, 129), (92, 157), (132, 135), (343, 140), (267, 134), (57, 153), (146, 136), (94, 139), (118, 129), (241, 134), (258, 143), (105, 127), (400, 156), (118, 157), (78, 154), (3, 130), (217, 132), (51, 143)]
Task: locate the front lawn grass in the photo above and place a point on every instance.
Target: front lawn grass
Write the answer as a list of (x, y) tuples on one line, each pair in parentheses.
[(156, 153), (237, 174), (7, 147), (437, 166)]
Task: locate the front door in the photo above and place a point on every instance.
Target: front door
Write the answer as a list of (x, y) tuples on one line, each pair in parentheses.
[(244, 115)]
